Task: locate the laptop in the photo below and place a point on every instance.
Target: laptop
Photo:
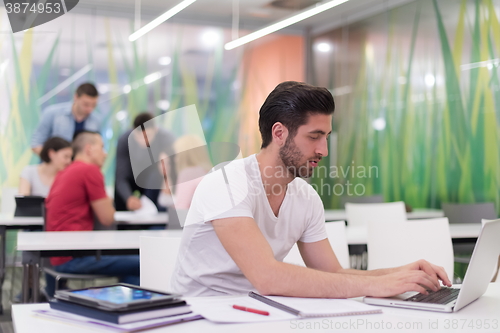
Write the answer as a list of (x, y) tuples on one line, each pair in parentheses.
[(476, 280), (29, 205)]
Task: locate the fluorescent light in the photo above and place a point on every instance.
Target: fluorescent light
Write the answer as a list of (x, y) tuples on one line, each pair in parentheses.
[(379, 124), (486, 63), (283, 24), (430, 80), (323, 47), (159, 20), (64, 84), (164, 61), (210, 37), (152, 77)]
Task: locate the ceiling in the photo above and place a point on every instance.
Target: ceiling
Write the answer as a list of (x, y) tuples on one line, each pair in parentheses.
[(253, 14)]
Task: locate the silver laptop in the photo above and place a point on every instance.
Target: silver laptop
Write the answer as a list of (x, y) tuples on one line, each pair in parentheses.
[(476, 280)]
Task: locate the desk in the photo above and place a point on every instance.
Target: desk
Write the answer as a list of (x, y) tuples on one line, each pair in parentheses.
[(9, 221), (340, 214), (77, 243), (478, 312)]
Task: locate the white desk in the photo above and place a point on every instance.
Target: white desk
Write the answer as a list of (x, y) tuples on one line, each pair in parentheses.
[(485, 309), (340, 214), (358, 235), (9, 221), (20, 222), (76, 243)]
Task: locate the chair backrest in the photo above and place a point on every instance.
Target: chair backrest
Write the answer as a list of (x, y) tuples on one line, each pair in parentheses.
[(361, 214), (392, 244), (379, 198), (338, 240), (8, 201), (494, 278), (469, 213), (157, 261)]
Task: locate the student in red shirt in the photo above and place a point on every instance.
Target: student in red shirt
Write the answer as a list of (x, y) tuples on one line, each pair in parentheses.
[(76, 196)]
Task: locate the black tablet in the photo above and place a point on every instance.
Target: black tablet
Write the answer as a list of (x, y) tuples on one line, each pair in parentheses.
[(117, 297)]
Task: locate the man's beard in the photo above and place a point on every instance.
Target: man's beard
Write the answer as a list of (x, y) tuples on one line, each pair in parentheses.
[(291, 157)]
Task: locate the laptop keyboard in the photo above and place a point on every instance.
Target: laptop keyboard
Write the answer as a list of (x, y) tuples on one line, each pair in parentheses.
[(442, 296)]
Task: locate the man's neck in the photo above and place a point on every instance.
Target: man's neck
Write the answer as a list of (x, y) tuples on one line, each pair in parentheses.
[(273, 171), (79, 118), (83, 158)]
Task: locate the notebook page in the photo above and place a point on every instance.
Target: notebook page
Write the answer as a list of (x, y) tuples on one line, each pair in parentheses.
[(326, 307), (220, 309)]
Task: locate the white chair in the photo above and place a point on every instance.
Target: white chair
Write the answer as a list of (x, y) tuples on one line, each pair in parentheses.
[(157, 260), (393, 244), (338, 241), (8, 201), (494, 278), (361, 214)]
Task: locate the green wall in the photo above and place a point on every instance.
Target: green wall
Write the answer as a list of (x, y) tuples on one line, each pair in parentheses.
[(416, 90)]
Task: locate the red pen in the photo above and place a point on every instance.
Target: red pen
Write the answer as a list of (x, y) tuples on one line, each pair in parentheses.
[(243, 308)]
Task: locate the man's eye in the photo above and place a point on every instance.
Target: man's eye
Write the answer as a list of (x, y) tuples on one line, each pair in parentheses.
[(314, 137)]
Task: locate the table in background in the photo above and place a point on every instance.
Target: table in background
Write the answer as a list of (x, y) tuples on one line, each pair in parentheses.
[(77, 243), (484, 310), (340, 214), (10, 222)]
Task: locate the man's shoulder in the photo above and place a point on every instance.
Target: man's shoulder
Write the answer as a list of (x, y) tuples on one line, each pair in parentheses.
[(303, 190), (81, 169), (57, 109)]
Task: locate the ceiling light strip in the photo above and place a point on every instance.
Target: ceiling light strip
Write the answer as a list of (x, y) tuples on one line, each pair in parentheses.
[(159, 20), (283, 24)]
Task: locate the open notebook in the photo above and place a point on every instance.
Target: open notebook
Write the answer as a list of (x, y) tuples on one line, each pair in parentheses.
[(220, 309)]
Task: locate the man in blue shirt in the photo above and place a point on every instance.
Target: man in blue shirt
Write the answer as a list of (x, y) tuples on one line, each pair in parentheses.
[(67, 123)]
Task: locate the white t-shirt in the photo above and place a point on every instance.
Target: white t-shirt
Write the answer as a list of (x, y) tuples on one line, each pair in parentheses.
[(203, 267)]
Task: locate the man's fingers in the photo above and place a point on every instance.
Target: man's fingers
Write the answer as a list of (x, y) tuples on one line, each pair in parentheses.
[(442, 275), (429, 269)]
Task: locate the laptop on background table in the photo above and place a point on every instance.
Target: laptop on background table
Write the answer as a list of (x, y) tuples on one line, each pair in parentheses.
[(476, 280), (29, 205)]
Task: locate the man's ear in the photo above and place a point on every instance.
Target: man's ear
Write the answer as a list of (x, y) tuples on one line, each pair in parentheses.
[(280, 133)]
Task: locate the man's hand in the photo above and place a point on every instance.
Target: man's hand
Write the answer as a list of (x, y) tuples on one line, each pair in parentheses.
[(400, 282), (418, 276), (133, 203), (435, 272)]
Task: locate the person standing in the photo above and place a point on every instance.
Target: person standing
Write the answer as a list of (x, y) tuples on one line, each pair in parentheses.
[(67, 123)]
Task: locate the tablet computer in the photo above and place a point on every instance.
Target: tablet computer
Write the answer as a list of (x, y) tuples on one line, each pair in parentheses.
[(29, 205), (118, 297)]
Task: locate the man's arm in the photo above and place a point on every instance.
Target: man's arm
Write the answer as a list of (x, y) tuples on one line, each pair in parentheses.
[(104, 210), (123, 174), (252, 253), (42, 132)]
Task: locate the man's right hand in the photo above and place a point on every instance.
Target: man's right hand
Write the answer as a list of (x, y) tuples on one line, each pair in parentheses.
[(400, 282), (133, 203)]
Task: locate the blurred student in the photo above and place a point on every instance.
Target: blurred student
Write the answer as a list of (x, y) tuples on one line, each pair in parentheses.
[(67, 123), (37, 179), (192, 163), (125, 183), (78, 193)]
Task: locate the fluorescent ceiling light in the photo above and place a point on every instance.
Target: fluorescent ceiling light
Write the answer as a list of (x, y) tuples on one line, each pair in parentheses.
[(159, 20), (64, 84), (283, 24)]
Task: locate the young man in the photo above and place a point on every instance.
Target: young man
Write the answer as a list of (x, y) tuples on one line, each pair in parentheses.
[(67, 123), (244, 221), (77, 194)]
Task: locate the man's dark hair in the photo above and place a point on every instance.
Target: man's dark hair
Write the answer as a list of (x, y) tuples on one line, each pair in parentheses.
[(87, 89), (54, 143), (291, 103), (143, 118), (82, 139)]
